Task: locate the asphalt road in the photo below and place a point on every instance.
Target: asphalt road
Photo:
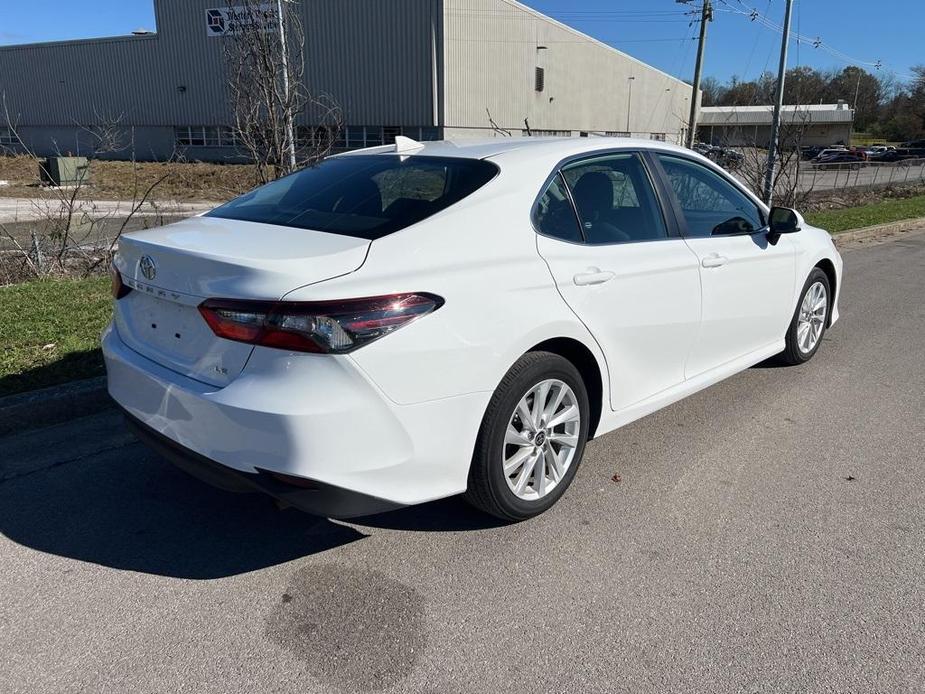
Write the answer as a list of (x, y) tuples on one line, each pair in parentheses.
[(766, 535)]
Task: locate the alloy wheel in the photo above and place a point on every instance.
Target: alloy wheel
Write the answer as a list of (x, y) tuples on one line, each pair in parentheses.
[(541, 439), (811, 321)]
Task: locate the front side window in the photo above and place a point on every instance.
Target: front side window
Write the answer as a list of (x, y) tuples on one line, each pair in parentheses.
[(712, 206), (615, 200), (366, 196)]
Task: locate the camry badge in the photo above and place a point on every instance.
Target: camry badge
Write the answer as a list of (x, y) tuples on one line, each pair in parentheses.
[(147, 267)]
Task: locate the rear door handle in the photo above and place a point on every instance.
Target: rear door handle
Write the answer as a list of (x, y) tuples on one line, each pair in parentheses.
[(714, 260), (593, 276)]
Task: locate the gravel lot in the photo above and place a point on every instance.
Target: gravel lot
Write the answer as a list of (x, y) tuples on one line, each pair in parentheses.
[(766, 535)]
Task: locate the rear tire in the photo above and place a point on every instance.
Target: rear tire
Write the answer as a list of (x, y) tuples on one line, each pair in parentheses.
[(810, 320), (531, 440)]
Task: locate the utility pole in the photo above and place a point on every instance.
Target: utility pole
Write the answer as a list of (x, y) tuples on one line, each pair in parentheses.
[(287, 114), (706, 15), (778, 107)]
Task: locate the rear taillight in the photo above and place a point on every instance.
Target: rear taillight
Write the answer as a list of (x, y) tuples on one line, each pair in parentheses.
[(119, 288), (319, 326)]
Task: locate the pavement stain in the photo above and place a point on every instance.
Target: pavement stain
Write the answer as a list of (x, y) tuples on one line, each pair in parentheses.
[(354, 629)]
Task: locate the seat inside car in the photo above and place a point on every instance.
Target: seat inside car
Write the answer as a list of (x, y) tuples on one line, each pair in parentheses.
[(594, 198), (362, 198)]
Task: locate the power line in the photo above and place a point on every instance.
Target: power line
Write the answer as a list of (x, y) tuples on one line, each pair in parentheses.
[(816, 42), (608, 41)]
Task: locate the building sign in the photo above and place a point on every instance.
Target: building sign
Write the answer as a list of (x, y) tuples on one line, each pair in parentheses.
[(222, 21)]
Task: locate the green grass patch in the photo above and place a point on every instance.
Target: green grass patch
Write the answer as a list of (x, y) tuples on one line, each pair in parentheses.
[(50, 332), (893, 210)]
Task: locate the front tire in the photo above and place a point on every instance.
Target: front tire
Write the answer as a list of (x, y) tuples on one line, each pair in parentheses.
[(531, 440), (810, 320)]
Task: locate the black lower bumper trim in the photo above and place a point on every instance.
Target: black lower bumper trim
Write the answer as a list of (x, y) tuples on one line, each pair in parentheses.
[(312, 496)]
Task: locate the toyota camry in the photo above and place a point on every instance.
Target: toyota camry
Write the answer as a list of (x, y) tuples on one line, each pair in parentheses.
[(415, 321)]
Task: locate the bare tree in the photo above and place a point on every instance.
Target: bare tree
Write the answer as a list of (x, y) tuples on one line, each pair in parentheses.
[(497, 129), (265, 70), (750, 164), (788, 188), (64, 231)]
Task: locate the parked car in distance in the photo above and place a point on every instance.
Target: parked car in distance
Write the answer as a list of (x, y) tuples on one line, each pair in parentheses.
[(415, 321), (829, 151), (902, 156), (813, 151), (726, 157), (845, 159)]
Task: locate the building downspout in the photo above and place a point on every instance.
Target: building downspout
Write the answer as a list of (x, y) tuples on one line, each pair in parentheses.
[(438, 63)]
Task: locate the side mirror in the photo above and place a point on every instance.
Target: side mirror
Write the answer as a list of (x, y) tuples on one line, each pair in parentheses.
[(783, 220)]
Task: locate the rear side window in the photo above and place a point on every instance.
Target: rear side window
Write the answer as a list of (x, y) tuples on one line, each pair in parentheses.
[(366, 196), (615, 200), (554, 215)]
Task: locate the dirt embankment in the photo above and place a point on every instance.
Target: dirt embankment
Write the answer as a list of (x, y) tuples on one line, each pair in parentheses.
[(125, 180)]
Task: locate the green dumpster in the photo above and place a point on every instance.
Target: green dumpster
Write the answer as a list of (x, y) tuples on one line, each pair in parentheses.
[(64, 171)]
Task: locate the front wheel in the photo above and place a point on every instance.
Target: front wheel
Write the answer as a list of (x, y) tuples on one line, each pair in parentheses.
[(531, 439), (809, 321)]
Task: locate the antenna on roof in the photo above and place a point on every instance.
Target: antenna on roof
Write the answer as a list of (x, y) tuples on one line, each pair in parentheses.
[(405, 145)]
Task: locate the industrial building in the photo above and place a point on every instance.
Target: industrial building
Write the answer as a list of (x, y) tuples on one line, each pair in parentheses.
[(750, 126), (428, 69)]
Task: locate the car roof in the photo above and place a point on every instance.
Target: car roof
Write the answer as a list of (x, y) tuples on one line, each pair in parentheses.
[(516, 147)]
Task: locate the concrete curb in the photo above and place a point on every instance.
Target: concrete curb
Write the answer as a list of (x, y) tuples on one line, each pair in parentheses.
[(877, 233), (48, 406)]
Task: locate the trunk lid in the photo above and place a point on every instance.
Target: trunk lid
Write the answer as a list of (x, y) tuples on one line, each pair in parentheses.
[(174, 268)]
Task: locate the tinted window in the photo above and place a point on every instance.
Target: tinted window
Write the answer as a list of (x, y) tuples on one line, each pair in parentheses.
[(712, 206), (615, 200), (368, 196), (555, 216)]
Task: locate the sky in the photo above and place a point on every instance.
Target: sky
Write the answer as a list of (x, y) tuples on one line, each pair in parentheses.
[(656, 31)]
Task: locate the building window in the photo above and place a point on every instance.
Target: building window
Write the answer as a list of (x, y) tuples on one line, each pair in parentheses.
[(540, 80), (546, 133), (389, 133), (8, 137), (318, 136), (360, 136), (205, 136), (617, 133), (661, 137), (424, 134)]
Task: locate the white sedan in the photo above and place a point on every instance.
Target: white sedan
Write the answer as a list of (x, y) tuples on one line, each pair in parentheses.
[(415, 321)]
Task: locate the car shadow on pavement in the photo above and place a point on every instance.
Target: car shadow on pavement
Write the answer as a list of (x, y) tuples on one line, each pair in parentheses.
[(445, 515), (128, 509)]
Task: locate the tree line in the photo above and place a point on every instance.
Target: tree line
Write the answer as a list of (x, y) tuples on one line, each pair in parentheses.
[(884, 106)]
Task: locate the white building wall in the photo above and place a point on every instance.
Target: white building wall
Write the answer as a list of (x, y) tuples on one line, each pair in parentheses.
[(493, 48)]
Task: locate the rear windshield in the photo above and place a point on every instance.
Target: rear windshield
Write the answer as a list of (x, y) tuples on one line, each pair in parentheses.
[(367, 196)]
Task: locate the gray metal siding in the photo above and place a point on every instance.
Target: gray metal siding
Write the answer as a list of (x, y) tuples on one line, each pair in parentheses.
[(732, 115), (491, 49), (374, 58)]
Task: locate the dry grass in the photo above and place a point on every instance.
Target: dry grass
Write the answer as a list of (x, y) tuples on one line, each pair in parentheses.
[(123, 180)]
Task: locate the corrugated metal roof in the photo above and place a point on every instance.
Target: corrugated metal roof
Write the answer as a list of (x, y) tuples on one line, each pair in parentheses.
[(764, 115)]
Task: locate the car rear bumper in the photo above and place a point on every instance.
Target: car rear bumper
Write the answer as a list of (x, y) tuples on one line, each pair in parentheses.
[(314, 417), (306, 495)]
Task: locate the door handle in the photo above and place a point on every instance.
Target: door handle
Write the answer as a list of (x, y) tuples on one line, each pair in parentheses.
[(714, 260), (593, 276)]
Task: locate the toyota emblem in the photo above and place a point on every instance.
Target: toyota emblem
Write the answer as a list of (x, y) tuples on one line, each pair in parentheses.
[(147, 267)]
